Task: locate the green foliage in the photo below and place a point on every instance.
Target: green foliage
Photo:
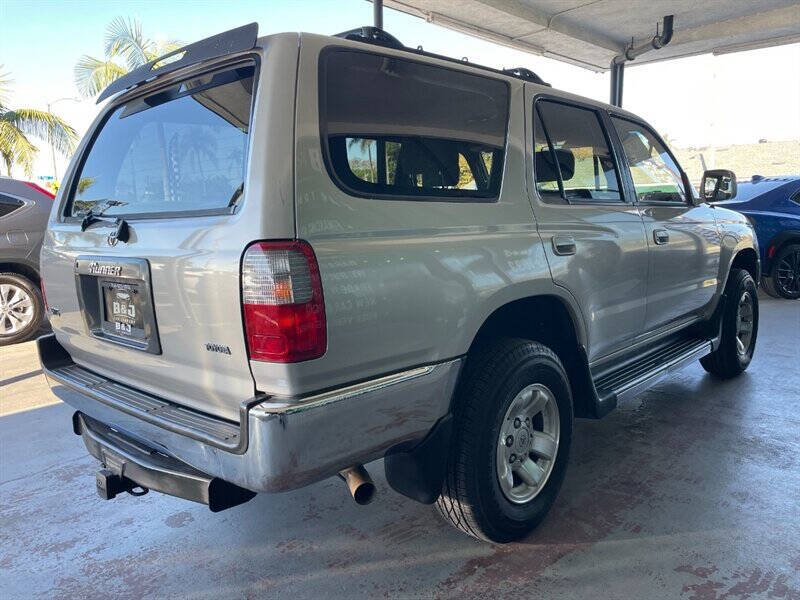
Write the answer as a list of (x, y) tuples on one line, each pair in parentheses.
[(125, 48), (17, 125)]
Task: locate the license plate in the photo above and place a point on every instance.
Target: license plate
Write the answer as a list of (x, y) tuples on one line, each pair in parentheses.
[(124, 314)]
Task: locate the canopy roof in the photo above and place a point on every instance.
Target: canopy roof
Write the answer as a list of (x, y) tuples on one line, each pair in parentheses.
[(590, 33)]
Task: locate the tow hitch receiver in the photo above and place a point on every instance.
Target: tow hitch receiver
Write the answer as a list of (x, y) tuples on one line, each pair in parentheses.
[(132, 467), (109, 485)]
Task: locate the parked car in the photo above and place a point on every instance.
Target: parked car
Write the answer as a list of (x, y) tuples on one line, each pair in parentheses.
[(391, 254), (772, 204), (24, 210)]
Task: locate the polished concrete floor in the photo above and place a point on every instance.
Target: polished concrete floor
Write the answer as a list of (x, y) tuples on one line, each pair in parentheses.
[(690, 491)]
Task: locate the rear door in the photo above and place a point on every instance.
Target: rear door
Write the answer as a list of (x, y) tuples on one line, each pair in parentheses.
[(683, 237), (593, 234), (145, 288)]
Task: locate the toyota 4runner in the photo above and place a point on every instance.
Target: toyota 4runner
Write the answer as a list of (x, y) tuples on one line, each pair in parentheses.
[(274, 260)]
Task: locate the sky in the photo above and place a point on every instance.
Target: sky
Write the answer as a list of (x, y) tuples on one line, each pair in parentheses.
[(698, 101)]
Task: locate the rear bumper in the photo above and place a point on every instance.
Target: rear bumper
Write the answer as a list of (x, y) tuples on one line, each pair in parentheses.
[(280, 443)]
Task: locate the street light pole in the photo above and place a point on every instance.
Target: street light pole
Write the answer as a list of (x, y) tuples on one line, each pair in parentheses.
[(52, 142)]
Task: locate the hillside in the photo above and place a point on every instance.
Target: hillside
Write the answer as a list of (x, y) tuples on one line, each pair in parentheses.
[(746, 160)]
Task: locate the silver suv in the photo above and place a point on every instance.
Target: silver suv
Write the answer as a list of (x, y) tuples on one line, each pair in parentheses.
[(276, 259)]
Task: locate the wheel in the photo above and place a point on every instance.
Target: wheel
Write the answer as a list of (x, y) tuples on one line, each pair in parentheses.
[(739, 327), (512, 421), (768, 285), (786, 272), (21, 308)]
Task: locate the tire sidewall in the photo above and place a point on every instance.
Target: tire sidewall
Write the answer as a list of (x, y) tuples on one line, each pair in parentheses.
[(774, 275), (38, 308), (507, 516), (743, 283)]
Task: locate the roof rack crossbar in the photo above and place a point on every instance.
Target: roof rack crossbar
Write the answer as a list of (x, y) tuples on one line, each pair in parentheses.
[(236, 40), (379, 37)]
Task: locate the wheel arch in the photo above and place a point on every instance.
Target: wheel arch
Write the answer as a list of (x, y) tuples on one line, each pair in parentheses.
[(549, 319), (24, 269), (778, 241), (747, 259)]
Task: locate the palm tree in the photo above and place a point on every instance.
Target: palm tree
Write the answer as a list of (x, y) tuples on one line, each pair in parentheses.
[(125, 49), (18, 125)]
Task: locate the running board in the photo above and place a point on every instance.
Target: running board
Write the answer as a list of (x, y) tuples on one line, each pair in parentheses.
[(635, 375)]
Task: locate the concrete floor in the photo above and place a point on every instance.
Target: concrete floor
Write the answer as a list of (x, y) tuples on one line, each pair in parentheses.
[(690, 491)]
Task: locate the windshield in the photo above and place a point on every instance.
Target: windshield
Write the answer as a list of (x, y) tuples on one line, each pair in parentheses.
[(180, 149)]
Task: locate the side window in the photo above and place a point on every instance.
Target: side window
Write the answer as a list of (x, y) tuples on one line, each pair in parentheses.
[(8, 205), (398, 128), (572, 159), (655, 174)]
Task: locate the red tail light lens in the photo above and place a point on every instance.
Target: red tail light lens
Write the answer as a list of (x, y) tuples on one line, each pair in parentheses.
[(284, 312), (44, 295), (39, 188)]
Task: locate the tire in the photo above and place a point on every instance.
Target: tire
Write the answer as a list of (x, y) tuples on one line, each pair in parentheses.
[(21, 309), (494, 388), (768, 285), (736, 349), (785, 273)]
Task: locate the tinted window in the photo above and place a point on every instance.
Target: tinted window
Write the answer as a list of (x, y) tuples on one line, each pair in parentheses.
[(572, 157), (395, 127), (655, 174), (8, 205), (181, 149)]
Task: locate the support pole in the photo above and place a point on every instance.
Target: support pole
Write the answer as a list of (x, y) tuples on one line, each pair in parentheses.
[(617, 82), (377, 13)]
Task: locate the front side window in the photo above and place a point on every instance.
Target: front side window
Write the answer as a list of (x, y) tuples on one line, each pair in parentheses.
[(399, 128), (656, 176), (572, 159), (180, 149)]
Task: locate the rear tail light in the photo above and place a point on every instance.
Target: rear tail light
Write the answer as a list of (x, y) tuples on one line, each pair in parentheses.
[(44, 295), (40, 189), (284, 313)]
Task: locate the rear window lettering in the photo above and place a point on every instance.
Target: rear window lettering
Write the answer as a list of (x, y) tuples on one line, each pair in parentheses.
[(397, 128), (182, 149)]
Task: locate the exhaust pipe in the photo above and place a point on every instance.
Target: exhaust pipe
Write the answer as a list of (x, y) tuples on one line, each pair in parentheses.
[(359, 483)]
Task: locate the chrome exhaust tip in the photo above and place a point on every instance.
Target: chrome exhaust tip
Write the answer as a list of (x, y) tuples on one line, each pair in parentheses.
[(359, 483)]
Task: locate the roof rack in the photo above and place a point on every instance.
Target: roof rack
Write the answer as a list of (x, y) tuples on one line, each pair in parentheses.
[(236, 40), (379, 37)]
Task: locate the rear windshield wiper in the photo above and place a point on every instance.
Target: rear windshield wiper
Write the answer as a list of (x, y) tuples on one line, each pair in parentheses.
[(95, 216)]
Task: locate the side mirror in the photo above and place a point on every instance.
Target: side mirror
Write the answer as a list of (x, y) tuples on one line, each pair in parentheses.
[(718, 185)]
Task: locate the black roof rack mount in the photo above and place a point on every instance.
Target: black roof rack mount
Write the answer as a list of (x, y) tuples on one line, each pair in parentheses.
[(236, 40), (378, 37)]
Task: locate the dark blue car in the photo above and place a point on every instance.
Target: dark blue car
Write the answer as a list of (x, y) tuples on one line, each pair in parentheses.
[(773, 206)]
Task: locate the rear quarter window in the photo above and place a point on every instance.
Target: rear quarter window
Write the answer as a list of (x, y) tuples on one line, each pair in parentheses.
[(9, 205), (182, 149), (397, 128)]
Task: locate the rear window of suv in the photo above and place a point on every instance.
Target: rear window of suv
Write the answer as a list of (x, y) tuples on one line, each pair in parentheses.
[(180, 150), (401, 129)]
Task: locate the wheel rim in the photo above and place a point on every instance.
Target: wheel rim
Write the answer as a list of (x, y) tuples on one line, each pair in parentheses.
[(788, 273), (16, 309), (528, 443), (744, 323)]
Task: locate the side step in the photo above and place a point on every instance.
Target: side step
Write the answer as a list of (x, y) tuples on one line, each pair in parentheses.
[(637, 373)]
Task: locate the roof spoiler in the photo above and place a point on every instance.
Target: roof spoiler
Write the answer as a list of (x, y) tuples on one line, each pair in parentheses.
[(236, 40)]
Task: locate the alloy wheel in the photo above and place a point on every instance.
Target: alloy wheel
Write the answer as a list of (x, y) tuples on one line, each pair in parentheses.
[(16, 309), (528, 443)]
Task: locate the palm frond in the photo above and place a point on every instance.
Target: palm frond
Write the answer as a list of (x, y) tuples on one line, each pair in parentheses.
[(160, 49), (93, 75), (42, 125), (15, 147), (124, 38)]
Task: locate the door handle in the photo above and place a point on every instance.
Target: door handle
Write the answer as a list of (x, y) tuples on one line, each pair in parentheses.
[(661, 236), (564, 245)]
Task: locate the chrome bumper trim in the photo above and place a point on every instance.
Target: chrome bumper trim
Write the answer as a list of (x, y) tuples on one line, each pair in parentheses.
[(288, 444)]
